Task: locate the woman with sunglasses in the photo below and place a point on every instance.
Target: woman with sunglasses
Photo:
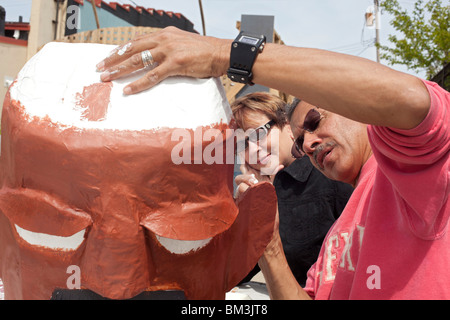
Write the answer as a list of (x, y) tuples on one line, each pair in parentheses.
[(308, 202)]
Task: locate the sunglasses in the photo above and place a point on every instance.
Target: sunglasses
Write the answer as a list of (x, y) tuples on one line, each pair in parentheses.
[(310, 124), (259, 133)]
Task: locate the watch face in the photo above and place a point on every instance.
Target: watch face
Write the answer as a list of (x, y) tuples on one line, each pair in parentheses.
[(249, 40)]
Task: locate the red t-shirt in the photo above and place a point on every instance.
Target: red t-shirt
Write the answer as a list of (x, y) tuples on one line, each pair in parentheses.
[(392, 239)]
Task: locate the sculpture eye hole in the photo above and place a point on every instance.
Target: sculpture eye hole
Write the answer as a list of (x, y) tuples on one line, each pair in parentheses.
[(43, 220), (50, 241), (182, 246)]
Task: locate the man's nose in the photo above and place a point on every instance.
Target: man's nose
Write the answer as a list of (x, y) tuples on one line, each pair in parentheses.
[(311, 142)]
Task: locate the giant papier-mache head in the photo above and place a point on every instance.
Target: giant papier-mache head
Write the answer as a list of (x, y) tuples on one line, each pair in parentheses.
[(90, 192)]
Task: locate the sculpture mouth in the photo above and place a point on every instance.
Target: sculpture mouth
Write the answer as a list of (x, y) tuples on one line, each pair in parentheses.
[(70, 243)]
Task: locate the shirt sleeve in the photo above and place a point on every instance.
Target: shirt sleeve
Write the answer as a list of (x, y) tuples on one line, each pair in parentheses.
[(310, 286), (416, 163)]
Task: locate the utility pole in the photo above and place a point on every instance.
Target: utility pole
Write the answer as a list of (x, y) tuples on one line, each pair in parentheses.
[(377, 27)]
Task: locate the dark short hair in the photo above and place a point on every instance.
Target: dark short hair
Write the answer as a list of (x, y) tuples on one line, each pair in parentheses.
[(290, 108)]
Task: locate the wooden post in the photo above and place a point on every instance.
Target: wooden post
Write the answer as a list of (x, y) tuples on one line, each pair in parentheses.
[(94, 7)]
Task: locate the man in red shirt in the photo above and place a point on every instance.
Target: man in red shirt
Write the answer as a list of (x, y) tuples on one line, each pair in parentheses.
[(383, 131)]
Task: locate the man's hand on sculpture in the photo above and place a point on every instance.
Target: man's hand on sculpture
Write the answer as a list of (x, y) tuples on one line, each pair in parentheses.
[(173, 52)]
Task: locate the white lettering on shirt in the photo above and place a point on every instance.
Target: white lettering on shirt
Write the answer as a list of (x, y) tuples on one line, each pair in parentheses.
[(341, 243)]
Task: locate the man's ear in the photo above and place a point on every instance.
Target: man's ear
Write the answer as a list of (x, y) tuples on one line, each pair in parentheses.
[(287, 127)]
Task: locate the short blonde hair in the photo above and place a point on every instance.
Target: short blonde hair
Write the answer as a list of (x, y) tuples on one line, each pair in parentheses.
[(266, 103)]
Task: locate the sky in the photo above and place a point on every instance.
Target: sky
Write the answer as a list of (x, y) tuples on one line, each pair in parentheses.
[(326, 24)]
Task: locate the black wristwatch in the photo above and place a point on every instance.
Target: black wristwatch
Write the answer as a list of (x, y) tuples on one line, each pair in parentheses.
[(244, 50)]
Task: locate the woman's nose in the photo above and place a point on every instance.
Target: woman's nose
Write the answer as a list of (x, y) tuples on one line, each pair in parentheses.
[(251, 154)]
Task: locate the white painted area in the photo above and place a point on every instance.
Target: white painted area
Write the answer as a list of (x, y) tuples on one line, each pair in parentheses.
[(182, 246), (50, 241), (49, 82), (2, 290)]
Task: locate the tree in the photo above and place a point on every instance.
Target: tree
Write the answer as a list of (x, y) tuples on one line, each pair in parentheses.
[(425, 45)]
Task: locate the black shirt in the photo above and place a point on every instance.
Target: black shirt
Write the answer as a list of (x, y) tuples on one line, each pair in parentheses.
[(308, 205)]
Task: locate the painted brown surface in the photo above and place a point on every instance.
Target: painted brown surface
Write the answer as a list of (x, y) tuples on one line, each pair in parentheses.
[(124, 189), (94, 100)]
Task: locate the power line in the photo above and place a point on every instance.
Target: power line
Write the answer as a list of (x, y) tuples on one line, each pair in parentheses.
[(134, 3), (368, 46), (343, 47), (359, 47)]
